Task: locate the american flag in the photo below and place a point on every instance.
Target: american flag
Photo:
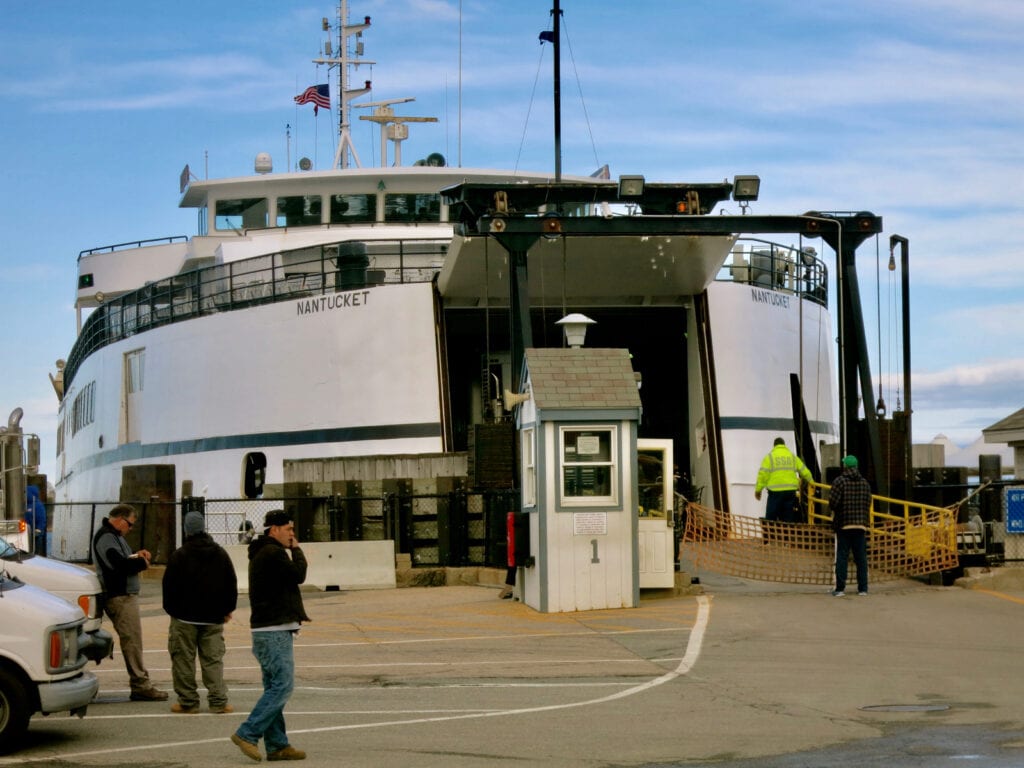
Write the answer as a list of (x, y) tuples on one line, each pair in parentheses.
[(320, 95)]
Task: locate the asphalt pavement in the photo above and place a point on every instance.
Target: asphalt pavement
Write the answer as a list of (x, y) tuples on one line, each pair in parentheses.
[(745, 674)]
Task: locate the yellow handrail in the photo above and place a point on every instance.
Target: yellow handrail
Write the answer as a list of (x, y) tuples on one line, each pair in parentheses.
[(920, 530), (905, 538)]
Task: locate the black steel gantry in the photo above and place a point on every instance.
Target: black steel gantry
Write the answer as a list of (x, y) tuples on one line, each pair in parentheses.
[(508, 213)]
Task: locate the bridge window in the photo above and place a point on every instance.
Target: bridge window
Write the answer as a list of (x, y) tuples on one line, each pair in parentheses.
[(353, 209), (298, 211), (412, 207), (244, 213)]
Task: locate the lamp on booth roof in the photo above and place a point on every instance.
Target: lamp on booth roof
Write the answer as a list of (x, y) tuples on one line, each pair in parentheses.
[(575, 327)]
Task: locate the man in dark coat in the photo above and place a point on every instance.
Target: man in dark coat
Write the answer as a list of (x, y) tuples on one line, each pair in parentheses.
[(200, 592), (118, 569), (277, 567), (850, 504)]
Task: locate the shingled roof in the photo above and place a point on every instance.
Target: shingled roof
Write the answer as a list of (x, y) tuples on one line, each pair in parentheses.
[(582, 378)]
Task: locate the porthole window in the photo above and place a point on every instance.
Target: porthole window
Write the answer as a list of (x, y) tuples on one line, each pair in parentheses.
[(254, 474)]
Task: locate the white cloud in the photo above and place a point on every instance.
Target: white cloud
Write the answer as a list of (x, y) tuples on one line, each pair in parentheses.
[(989, 384)]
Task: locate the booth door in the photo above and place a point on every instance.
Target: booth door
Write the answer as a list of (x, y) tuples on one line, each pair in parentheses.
[(656, 539)]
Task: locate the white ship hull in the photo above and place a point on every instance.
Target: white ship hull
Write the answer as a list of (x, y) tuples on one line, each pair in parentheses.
[(289, 379)]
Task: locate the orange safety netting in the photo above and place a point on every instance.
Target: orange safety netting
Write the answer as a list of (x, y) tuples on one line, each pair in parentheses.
[(798, 553)]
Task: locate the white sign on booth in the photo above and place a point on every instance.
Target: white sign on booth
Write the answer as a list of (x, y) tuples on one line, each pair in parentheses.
[(589, 523)]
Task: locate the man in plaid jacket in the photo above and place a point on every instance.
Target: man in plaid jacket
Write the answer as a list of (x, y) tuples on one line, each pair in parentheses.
[(850, 503)]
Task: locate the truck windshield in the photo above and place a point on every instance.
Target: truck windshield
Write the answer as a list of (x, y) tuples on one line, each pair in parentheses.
[(7, 549)]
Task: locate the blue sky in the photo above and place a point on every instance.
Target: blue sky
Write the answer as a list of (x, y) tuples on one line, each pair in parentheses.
[(909, 108)]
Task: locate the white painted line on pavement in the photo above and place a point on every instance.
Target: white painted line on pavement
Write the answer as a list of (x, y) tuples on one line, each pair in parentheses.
[(693, 649)]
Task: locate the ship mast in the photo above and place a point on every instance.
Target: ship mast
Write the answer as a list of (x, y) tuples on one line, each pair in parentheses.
[(556, 15), (342, 61)]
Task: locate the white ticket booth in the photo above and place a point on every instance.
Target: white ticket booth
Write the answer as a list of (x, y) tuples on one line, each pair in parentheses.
[(577, 428), (656, 529)]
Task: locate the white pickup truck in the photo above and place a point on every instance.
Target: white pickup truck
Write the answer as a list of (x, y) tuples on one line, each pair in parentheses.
[(43, 646), (77, 585)]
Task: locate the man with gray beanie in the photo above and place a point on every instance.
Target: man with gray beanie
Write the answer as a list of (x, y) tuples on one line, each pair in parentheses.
[(200, 593)]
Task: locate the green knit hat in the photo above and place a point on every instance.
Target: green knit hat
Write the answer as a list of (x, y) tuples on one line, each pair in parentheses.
[(849, 461)]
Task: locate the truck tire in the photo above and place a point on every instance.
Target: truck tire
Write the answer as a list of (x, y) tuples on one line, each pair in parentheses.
[(14, 711)]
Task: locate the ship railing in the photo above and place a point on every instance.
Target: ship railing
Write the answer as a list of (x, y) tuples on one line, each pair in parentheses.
[(764, 264), (281, 276), (452, 529), (133, 244)]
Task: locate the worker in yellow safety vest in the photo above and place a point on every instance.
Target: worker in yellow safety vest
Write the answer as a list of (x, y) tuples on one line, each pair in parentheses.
[(781, 472)]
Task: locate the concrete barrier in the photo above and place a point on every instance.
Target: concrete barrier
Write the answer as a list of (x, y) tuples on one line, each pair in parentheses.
[(1008, 578), (334, 564)]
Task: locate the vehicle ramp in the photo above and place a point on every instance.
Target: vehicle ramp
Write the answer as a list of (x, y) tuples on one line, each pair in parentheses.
[(904, 539)]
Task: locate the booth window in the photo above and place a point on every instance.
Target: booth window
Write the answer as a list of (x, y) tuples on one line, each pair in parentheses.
[(529, 469), (588, 466)]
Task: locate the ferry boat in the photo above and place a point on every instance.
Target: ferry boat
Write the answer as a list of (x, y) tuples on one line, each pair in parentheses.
[(359, 311)]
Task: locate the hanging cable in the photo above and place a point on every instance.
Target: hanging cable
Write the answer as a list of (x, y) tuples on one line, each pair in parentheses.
[(579, 88), (895, 339), (529, 109), (565, 272), (801, 379), (880, 408), (889, 436), (543, 297), (487, 333)]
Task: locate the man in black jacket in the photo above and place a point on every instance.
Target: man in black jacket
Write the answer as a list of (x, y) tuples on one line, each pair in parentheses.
[(277, 567), (200, 593), (118, 569)]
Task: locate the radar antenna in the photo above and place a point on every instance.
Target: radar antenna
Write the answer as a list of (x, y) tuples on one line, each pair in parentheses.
[(392, 127)]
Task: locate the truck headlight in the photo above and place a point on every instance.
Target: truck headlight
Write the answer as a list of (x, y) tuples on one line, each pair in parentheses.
[(63, 648)]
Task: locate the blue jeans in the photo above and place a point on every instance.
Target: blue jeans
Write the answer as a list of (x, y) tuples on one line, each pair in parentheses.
[(273, 650), (852, 540)]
